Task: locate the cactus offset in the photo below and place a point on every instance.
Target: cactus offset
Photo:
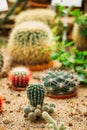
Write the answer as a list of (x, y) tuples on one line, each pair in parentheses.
[(79, 33), (36, 94), (60, 82), (27, 42), (19, 77), (44, 15), (52, 124)]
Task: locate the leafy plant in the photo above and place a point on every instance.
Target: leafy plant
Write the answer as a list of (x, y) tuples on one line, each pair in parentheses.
[(71, 59)]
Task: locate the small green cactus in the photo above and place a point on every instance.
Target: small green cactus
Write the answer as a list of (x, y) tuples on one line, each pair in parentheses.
[(36, 94), (60, 82), (79, 33), (52, 124), (44, 15), (27, 42)]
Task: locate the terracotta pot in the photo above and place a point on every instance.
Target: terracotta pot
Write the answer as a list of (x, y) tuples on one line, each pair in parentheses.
[(38, 67), (17, 89), (37, 5), (64, 96), (1, 103)]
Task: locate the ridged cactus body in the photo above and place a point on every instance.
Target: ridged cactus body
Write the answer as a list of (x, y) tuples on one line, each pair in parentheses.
[(44, 15), (36, 94), (1, 61), (79, 33), (19, 77), (27, 42), (60, 82)]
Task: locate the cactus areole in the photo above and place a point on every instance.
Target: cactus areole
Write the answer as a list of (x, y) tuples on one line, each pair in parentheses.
[(19, 78), (36, 94)]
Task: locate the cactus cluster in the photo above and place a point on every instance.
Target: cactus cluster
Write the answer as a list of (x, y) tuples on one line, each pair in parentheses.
[(27, 42), (60, 82), (19, 77), (44, 15), (52, 124), (79, 33), (36, 94), (1, 61)]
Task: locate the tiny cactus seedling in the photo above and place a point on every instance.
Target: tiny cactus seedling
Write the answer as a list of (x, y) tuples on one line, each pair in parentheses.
[(20, 77), (60, 82), (36, 94), (46, 16), (52, 124)]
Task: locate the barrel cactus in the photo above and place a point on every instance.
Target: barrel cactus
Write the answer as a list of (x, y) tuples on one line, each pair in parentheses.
[(60, 82), (43, 15), (36, 94), (1, 61), (19, 77), (79, 33), (27, 42)]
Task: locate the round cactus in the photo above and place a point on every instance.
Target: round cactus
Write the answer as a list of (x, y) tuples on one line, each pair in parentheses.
[(27, 42), (60, 82), (43, 15), (1, 61), (19, 77), (36, 94), (79, 33)]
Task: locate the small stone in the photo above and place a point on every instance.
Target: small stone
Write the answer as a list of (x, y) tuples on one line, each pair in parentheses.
[(18, 94), (8, 102), (70, 124), (25, 115), (6, 121), (85, 113)]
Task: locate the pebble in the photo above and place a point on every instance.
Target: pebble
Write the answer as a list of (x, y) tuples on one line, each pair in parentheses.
[(6, 121), (8, 102), (85, 113)]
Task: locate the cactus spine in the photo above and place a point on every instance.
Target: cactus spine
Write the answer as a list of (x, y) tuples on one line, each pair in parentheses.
[(60, 82), (79, 33), (27, 42), (52, 124), (44, 15), (36, 94)]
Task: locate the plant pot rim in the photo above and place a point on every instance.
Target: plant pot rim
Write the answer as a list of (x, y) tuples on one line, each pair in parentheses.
[(18, 89), (38, 67), (62, 96), (38, 5)]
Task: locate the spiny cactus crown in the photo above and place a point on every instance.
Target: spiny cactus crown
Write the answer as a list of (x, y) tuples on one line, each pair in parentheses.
[(1, 61), (19, 71), (60, 82), (44, 15), (36, 94), (30, 33)]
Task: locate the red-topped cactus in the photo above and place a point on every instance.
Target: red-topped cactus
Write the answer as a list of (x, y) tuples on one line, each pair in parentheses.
[(19, 78)]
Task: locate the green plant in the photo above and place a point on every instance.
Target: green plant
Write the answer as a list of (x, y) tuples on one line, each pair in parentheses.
[(43, 15), (11, 11), (27, 41), (36, 94), (74, 60), (52, 124), (60, 82)]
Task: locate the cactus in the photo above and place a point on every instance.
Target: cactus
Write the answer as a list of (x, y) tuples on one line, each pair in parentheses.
[(1, 62), (43, 15), (79, 33), (19, 77), (36, 94), (52, 124), (60, 82), (27, 42)]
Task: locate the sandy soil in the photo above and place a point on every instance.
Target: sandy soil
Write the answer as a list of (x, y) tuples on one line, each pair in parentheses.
[(71, 111)]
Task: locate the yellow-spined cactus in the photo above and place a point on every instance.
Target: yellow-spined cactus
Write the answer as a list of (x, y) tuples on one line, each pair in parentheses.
[(27, 41), (43, 15), (79, 33)]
